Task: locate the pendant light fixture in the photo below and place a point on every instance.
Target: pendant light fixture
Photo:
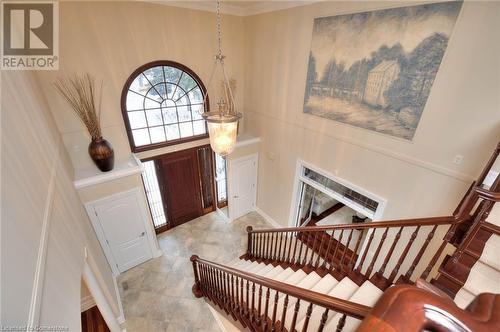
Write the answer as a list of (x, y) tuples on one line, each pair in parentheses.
[(223, 123)]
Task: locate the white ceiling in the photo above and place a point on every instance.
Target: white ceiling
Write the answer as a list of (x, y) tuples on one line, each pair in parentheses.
[(237, 7)]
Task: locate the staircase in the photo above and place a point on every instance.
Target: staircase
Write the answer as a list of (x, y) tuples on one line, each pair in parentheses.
[(328, 278)]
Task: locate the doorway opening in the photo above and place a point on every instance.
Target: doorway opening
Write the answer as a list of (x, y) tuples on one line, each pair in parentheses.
[(221, 183), (179, 186), (323, 199)]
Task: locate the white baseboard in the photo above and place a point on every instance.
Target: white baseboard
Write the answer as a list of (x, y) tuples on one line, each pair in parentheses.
[(121, 317), (268, 218), (157, 253)]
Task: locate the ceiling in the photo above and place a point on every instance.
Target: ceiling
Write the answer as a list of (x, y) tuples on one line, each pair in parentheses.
[(237, 7)]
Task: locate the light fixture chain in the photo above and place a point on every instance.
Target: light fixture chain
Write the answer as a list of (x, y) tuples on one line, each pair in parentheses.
[(219, 30)]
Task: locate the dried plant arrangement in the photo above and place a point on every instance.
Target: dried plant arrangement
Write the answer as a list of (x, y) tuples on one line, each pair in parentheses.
[(80, 93)]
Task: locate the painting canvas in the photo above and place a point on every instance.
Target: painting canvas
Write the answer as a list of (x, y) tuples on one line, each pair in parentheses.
[(375, 69)]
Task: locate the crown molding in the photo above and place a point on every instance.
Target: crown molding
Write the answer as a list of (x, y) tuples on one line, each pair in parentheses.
[(228, 8)]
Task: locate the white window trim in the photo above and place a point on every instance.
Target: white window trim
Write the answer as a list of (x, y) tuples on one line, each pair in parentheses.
[(299, 177)]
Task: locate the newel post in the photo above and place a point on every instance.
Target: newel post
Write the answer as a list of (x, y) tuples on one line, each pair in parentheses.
[(196, 287), (249, 246)]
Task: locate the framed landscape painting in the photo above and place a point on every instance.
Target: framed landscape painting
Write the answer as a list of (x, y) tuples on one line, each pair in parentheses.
[(375, 69)]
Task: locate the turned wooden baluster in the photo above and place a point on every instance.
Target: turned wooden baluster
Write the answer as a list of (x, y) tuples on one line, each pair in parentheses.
[(319, 251), (313, 247), (275, 254), (228, 292), (403, 256), (327, 254), (350, 266), (212, 284), (420, 253), (306, 242), (234, 285), (282, 258), (346, 248), (259, 310), (270, 250), (341, 323), (242, 308), (275, 309), (283, 314), (249, 241), (308, 316), (252, 307), (280, 246), (266, 310), (298, 261), (295, 313), (288, 258), (381, 271), (362, 261), (248, 298), (203, 285), (264, 245), (294, 258), (322, 323), (217, 288), (262, 242), (433, 260), (334, 254), (377, 252)]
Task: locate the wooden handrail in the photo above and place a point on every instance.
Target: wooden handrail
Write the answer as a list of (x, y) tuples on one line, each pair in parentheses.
[(332, 303), (414, 309), (446, 220), (488, 194)]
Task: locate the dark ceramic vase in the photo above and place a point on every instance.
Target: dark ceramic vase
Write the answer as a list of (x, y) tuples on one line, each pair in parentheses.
[(102, 154)]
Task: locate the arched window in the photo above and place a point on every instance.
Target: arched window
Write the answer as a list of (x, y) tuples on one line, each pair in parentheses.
[(162, 102)]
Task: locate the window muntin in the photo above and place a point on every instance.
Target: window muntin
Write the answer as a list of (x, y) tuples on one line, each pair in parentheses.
[(161, 103)]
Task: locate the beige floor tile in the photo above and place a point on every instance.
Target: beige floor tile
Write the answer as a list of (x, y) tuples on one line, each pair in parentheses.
[(157, 295)]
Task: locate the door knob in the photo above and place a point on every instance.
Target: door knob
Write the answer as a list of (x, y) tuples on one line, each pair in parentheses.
[(142, 234)]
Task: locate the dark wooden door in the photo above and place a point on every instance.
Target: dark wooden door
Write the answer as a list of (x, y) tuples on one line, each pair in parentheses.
[(181, 186)]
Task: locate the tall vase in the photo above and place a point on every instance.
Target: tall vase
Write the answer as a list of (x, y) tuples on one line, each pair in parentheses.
[(101, 152)]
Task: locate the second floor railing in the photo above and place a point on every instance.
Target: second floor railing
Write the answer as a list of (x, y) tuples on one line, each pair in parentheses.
[(355, 250)]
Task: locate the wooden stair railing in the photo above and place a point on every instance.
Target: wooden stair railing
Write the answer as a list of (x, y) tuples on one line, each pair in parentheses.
[(247, 298), (454, 271), (423, 308), (339, 255)]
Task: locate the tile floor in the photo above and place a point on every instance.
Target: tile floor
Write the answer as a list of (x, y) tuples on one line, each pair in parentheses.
[(157, 295)]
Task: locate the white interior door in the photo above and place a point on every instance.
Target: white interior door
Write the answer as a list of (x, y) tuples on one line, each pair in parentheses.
[(121, 221), (243, 186)]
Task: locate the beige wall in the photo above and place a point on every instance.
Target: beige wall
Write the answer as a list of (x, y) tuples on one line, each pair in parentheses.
[(111, 39), (417, 178), (39, 202)]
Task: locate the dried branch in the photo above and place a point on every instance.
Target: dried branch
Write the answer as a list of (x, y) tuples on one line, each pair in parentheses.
[(79, 92)]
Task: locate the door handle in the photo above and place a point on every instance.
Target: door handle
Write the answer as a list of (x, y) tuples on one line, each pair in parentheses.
[(142, 234), (235, 196)]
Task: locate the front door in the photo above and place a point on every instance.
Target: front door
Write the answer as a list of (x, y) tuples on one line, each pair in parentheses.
[(243, 185), (122, 223), (181, 186)]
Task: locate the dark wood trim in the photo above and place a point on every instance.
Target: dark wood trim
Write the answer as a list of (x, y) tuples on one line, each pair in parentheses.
[(423, 308), (92, 321), (332, 303), (373, 224), (123, 103)]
